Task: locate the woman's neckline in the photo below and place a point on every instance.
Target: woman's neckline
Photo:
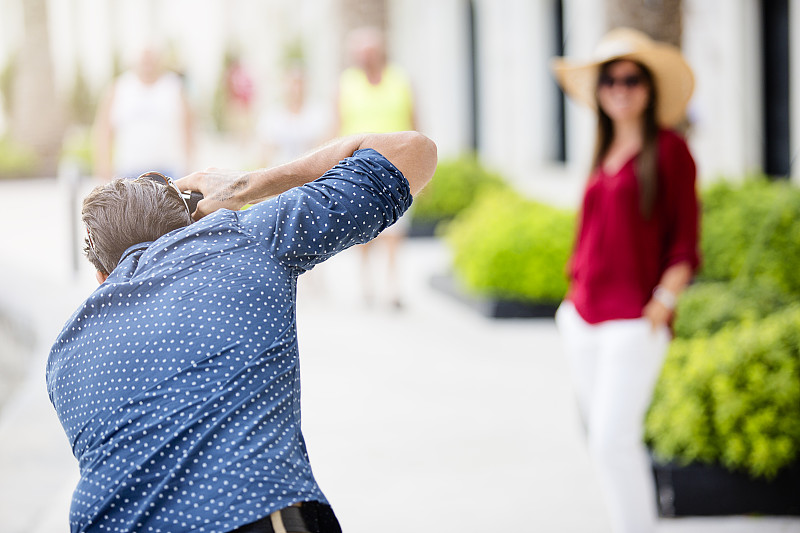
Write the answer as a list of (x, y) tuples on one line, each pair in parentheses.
[(616, 169)]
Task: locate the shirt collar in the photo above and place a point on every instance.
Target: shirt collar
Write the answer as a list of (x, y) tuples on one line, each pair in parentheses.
[(133, 249)]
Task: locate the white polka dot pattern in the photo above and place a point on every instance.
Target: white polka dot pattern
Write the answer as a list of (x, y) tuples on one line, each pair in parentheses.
[(177, 381)]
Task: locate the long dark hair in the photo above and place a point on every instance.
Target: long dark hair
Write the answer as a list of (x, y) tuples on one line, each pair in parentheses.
[(647, 160)]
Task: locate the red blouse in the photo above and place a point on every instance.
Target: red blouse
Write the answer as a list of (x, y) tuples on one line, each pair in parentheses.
[(619, 255)]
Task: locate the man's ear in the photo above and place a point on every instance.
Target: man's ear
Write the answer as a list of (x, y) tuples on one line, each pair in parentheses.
[(100, 276)]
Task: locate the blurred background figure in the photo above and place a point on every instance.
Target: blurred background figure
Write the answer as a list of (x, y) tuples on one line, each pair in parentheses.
[(290, 130), (635, 252), (294, 128), (238, 97), (375, 96), (144, 122)]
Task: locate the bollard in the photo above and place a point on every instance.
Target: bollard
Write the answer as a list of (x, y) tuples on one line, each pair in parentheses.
[(69, 176)]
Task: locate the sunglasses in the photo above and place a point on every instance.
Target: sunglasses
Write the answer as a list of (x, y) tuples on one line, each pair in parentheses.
[(189, 199), (158, 177), (629, 82)]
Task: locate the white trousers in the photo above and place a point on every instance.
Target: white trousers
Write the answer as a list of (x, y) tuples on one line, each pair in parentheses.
[(614, 366)]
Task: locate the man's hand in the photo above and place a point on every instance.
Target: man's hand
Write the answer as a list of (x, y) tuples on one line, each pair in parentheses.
[(221, 189), (411, 152)]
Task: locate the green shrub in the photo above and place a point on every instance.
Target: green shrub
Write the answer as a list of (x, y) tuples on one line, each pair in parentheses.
[(78, 149), (751, 232), (729, 392), (81, 102), (507, 246), (16, 160), (454, 186), (706, 307), (732, 398)]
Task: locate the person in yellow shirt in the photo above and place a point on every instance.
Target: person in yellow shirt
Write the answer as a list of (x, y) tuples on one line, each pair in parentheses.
[(375, 96)]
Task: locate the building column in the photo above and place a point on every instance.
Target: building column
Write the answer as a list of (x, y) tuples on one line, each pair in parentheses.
[(794, 88), (721, 41), (584, 26)]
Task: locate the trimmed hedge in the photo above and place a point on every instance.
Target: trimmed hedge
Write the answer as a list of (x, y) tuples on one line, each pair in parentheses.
[(732, 398), (729, 392), (16, 160), (705, 308), (507, 246), (454, 186), (751, 232), (77, 148)]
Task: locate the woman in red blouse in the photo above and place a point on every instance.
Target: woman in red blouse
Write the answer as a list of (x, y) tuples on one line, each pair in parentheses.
[(635, 251)]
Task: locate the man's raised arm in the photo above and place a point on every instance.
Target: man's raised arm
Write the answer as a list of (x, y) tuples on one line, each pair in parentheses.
[(412, 153)]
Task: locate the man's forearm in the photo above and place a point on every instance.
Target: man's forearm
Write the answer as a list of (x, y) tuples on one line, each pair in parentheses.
[(413, 154), (264, 183)]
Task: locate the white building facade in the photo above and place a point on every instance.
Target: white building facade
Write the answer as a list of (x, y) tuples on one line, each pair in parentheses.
[(480, 70), (517, 105)]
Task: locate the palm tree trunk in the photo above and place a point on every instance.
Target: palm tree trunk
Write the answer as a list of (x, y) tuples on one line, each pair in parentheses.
[(660, 19), (36, 117), (358, 13)]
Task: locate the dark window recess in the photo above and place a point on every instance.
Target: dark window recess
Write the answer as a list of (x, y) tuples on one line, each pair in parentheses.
[(560, 140), (775, 61), (474, 76)]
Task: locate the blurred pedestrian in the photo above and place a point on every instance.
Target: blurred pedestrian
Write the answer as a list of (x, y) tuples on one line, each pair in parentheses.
[(296, 126), (375, 96), (636, 250), (144, 122), (239, 95), (291, 130), (177, 380)]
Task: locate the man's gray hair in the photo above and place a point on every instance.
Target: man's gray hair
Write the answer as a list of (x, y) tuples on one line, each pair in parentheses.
[(125, 212)]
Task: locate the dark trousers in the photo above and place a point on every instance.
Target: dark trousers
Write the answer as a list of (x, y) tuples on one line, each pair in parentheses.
[(311, 517)]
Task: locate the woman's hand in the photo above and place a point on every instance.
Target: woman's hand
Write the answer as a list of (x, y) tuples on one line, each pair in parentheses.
[(657, 313), (661, 307)]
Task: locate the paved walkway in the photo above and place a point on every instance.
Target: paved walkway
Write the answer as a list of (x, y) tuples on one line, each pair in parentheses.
[(462, 423)]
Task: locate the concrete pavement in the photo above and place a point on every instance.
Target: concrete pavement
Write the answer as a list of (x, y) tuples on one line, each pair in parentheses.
[(432, 418)]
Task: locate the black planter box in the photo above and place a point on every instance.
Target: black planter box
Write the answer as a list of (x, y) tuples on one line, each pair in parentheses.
[(709, 490), (422, 228), (495, 307)]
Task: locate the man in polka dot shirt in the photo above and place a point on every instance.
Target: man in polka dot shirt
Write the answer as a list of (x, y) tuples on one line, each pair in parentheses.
[(177, 380)]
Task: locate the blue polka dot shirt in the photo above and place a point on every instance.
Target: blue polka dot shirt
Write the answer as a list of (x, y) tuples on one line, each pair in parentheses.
[(177, 381)]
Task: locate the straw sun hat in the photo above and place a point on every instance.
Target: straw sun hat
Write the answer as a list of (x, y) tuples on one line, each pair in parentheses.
[(671, 74)]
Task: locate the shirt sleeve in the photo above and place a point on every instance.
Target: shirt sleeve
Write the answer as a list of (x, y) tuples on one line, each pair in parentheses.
[(350, 204), (680, 174)]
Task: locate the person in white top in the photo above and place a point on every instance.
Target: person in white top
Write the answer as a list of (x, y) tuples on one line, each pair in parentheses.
[(144, 123), (295, 128)]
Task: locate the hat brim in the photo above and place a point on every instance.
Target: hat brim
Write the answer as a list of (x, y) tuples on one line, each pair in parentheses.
[(672, 76)]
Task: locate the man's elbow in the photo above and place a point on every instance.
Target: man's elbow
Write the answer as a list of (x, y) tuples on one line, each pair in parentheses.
[(427, 157), (428, 147)]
